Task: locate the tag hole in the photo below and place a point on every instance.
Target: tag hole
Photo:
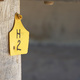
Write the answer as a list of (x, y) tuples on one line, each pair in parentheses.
[(14, 47)]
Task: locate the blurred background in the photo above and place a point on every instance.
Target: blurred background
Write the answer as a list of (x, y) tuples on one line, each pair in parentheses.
[(54, 48)]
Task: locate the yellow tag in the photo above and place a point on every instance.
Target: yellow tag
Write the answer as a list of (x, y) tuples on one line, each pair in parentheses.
[(18, 38)]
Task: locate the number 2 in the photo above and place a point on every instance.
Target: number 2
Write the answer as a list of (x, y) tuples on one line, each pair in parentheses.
[(18, 45)]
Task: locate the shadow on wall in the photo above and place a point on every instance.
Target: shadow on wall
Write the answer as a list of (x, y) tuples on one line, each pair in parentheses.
[(58, 23)]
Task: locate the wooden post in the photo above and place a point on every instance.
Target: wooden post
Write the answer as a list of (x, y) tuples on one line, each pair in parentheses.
[(10, 66)]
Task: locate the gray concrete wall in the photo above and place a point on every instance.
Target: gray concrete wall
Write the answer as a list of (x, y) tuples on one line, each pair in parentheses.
[(59, 23), (51, 63)]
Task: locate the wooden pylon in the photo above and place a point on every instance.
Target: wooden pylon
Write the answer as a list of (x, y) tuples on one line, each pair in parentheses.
[(10, 66)]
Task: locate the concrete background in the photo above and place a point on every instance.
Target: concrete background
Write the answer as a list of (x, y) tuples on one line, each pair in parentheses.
[(54, 50), (51, 62), (58, 23)]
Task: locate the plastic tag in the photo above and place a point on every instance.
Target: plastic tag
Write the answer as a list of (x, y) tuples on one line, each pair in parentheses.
[(18, 38)]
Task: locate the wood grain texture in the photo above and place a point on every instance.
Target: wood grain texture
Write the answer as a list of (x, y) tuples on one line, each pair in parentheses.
[(10, 66)]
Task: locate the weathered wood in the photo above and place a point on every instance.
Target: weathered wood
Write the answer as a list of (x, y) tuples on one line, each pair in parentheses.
[(10, 66)]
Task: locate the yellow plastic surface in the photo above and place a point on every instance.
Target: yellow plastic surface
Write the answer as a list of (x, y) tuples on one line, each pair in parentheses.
[(18, 38)]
